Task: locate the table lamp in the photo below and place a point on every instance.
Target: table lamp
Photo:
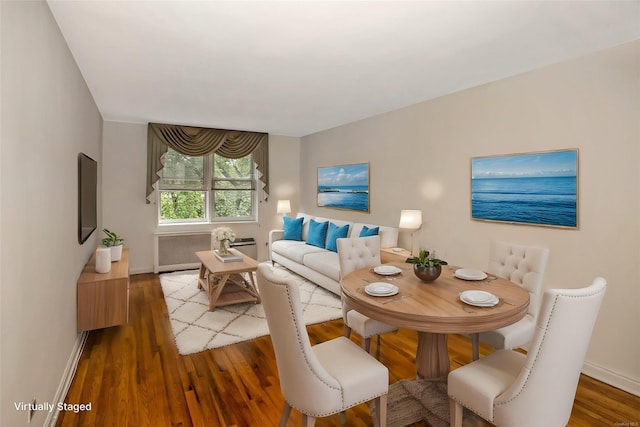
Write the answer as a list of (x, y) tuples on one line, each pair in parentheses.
[(284, 207), (410, 219)]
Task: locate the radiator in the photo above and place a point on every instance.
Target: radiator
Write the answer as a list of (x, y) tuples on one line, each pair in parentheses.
[(177, 251)]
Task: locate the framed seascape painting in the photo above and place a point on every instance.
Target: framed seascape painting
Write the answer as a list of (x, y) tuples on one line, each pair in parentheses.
[(344, 187), (532, 189)]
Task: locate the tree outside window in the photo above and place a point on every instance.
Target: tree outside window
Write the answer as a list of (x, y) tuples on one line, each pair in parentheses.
[(206, 189)]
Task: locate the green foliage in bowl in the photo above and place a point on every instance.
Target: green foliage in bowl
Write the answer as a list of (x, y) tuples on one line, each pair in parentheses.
[(424, 259)]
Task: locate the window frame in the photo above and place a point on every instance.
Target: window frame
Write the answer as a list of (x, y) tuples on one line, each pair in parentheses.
[(209, 195)]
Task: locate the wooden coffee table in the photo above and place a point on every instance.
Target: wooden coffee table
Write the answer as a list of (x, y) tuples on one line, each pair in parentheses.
[(226, 282)]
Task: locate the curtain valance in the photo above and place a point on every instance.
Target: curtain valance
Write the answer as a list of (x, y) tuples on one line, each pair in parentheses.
[(195, 141)]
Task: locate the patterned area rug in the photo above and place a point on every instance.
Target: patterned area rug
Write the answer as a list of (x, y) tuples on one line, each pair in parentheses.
[(196, 329)]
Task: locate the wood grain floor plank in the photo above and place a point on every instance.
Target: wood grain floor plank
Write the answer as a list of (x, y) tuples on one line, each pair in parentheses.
[(134, 376)]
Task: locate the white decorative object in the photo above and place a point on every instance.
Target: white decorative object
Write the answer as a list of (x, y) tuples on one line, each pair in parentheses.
[(410, 219), (116, 253), (103, 260), (284, 207), (229, 257), (224, 236), (114, 242)]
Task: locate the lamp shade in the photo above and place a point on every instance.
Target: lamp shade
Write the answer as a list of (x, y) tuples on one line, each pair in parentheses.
[(410, 219), (284, 207)]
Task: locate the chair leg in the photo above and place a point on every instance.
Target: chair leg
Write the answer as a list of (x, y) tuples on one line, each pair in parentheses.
[(475, 346), (308, 421), (366, 344), (381, 411), (347, 331), (286, 411), (456, 413)]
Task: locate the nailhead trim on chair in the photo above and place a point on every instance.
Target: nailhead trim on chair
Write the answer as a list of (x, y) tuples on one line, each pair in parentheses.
[(485, 417), (491, 419), (309, 366), (300, 341), (546, 329)]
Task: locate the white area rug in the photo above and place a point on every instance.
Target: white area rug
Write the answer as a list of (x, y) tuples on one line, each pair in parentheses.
[(196, 329)]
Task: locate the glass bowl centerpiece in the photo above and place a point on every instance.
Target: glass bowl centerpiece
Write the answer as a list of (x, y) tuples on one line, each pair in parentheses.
[(426, 266)]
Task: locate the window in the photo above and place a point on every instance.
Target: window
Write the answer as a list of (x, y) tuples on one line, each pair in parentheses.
[(206, 189)]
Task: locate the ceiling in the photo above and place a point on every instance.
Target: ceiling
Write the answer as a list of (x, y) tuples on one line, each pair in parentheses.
[(298, 67)]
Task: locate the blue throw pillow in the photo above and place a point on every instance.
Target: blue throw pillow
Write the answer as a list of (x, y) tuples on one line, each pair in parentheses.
[(317, 234), (336, 232), (366, 231), (292, 228)]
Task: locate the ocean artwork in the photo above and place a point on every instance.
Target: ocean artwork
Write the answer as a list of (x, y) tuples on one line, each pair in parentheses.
[(534, 189), (344, 187)]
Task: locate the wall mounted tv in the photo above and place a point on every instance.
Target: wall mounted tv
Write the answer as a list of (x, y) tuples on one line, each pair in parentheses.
[(87, 197)]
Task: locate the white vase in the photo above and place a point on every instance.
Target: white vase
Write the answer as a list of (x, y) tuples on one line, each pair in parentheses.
[(103, 260), (116, 253)]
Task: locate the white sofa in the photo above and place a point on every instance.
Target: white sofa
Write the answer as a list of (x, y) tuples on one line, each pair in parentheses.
[(321, 266)]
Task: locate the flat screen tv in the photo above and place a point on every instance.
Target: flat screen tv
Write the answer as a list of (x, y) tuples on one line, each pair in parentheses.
[(87, 197)]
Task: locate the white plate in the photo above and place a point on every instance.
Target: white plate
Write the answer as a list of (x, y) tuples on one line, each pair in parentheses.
[(387, 270), (479, 298), (469, 274), (380, 289)]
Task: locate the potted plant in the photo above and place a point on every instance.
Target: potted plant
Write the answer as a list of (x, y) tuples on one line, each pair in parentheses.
[(426, 267), (114, 242)]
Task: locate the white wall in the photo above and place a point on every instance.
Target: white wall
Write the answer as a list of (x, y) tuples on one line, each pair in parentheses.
[(420, 159), (125, 210), (48, 117)]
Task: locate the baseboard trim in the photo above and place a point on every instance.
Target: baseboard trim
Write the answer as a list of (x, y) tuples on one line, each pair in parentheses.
[(67, 377), (612, 378), (143, 270)]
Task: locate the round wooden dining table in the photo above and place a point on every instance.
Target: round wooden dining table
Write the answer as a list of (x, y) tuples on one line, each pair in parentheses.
[(435, 309)]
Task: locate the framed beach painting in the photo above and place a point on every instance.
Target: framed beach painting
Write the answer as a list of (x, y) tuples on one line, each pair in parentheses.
[(344, 187), (532, 188)]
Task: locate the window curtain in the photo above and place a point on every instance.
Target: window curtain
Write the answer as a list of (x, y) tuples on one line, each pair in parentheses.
[(195, 141)]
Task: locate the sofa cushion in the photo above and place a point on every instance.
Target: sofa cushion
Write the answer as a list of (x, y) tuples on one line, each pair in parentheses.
[(293, 249), (388, 235), (305, 224), (336, 232), (325, 262), (317, 233), (368, 232), (292, 228)]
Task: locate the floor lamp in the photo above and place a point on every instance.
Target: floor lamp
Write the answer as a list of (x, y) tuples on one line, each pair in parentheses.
[(410, 219)]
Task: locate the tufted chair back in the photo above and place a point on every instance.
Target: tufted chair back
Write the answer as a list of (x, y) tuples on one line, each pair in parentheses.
[(524, 265), (357, 253)]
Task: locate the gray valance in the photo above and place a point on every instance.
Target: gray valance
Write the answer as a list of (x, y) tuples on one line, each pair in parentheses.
[(195, 141)]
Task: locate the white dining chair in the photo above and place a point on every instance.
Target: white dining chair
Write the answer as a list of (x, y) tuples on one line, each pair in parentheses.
[(323, 379), (524, 265), (508, 388), (354, 254)]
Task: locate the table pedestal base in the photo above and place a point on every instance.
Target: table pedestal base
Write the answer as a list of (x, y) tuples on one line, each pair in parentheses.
[(432, 356)]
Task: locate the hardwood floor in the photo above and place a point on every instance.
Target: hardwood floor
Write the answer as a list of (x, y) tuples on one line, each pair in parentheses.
[(133, 376)]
